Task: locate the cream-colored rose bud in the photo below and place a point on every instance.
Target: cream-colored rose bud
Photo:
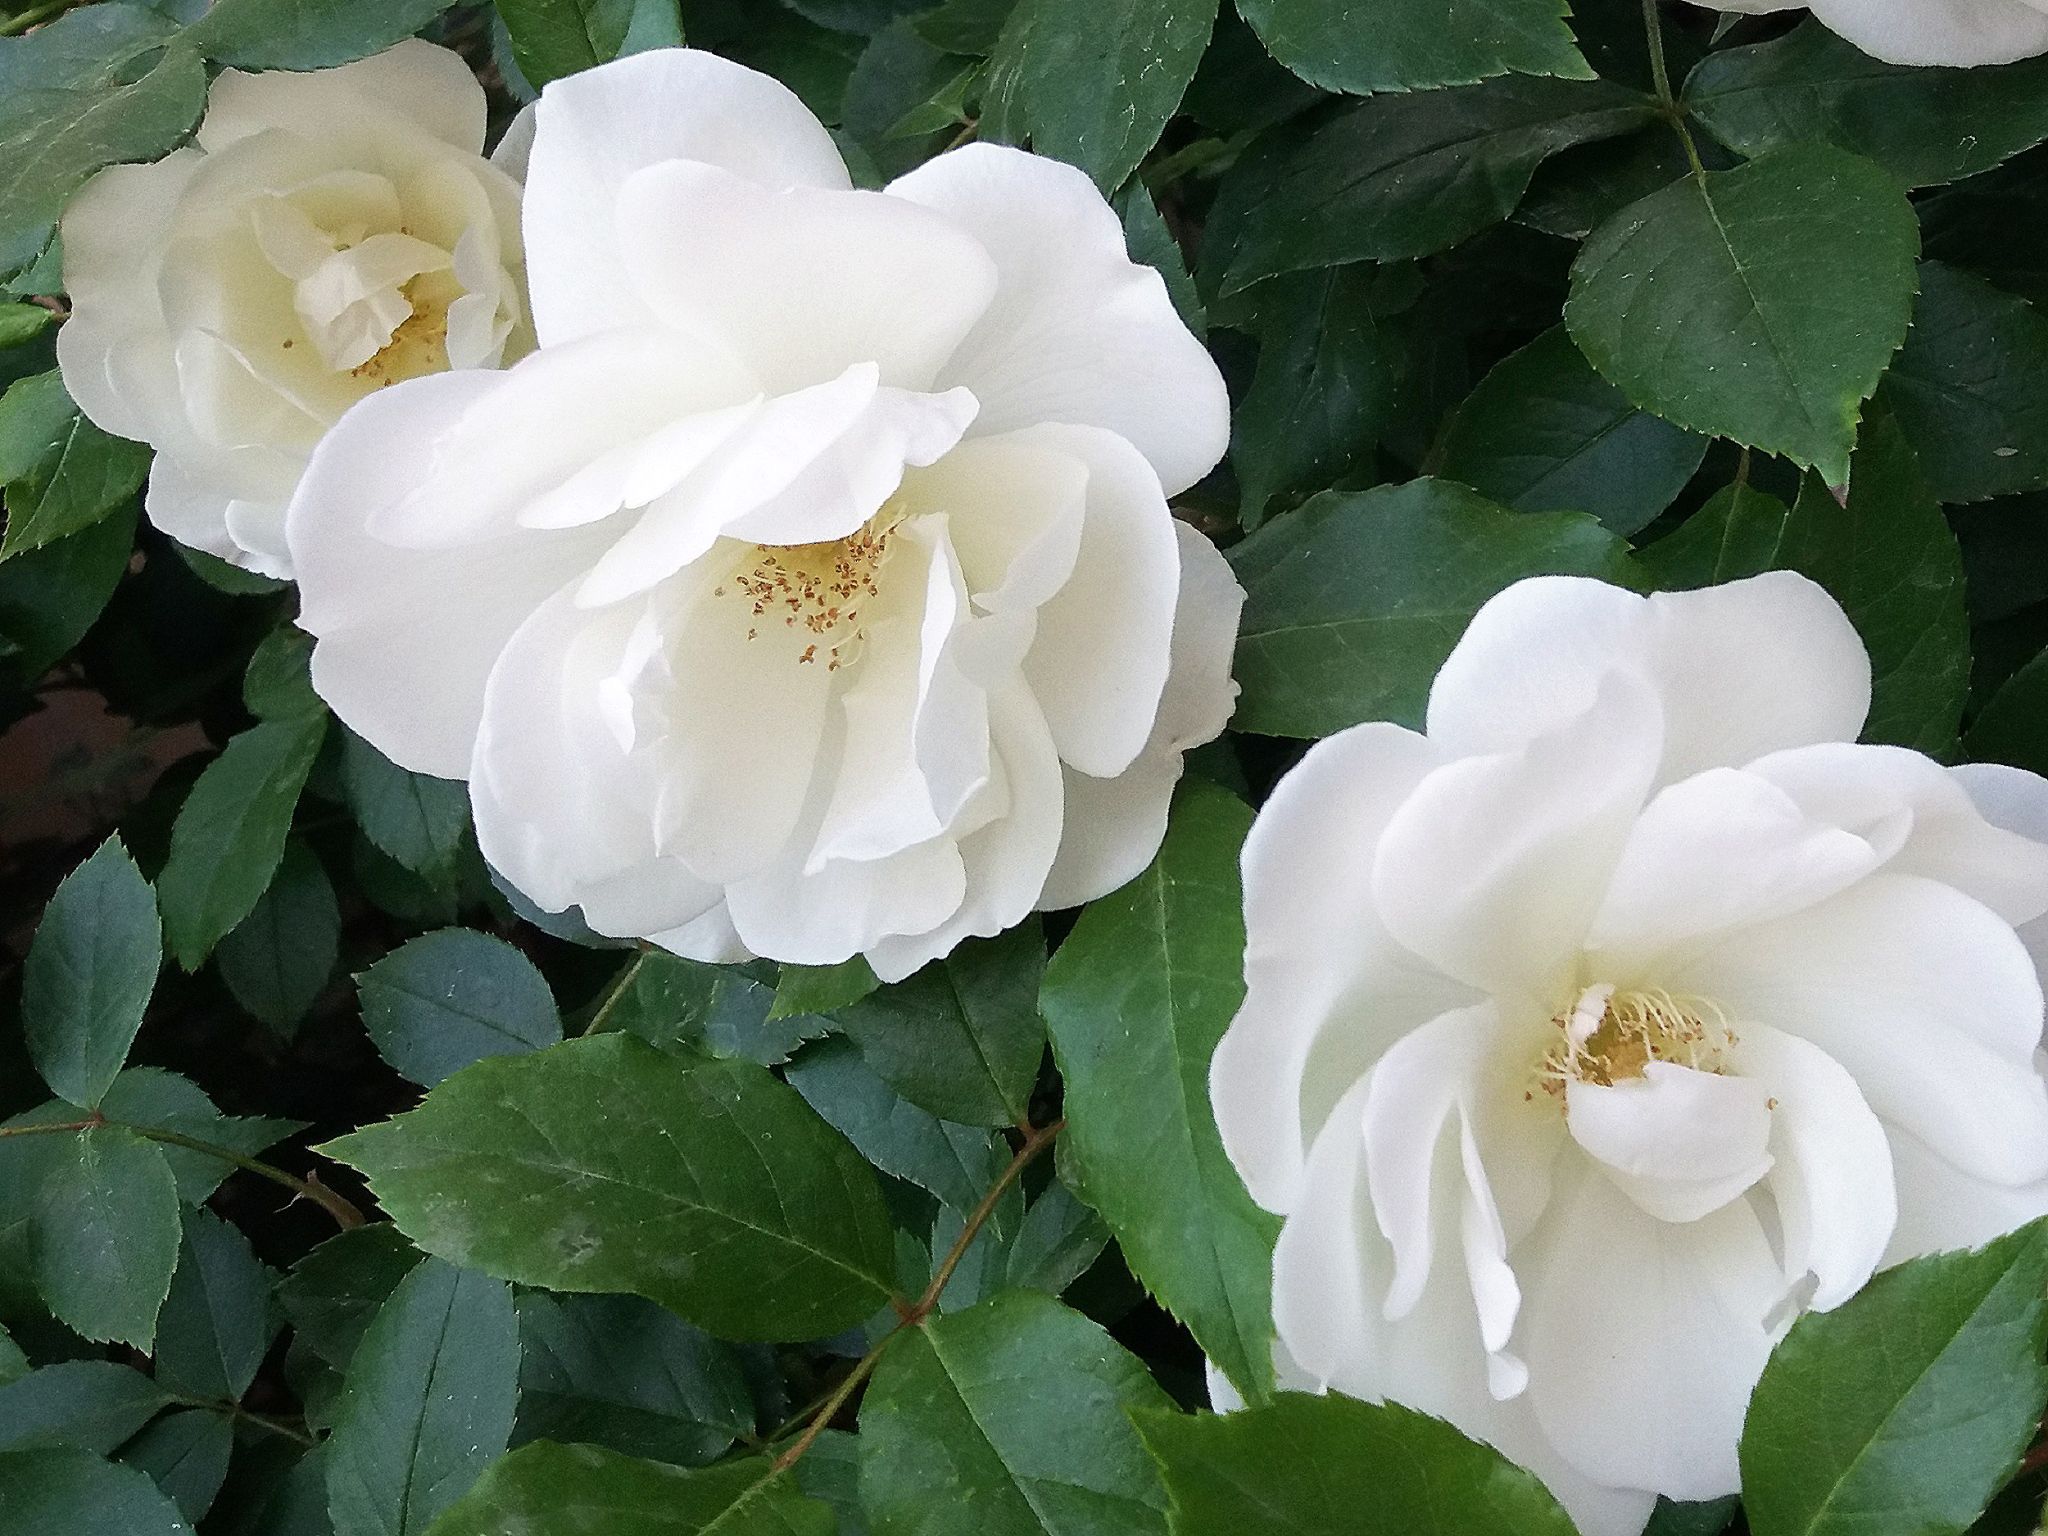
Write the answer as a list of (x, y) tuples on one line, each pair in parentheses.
[(328, 234)]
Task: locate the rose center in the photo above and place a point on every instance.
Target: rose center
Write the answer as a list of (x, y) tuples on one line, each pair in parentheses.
[(1609, 1036), (418, 344), (817, 590)]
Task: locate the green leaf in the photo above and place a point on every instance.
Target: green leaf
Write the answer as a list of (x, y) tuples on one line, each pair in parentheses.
[(218, 1320), (1970, 387), (186, 1455), (1322, 389), (961, 1037), (331, 1294), (22, 323), (1009, 1419), (13, 1363), (1353, 602), (230, 833), (1575, 192), (61, 472), (620, 1372), (1093, 82), (1401, 175), (1739, 532), (1136, 999), (1702, 1517), (552, 38), (91, 1405), (1709, 305), (278, 959), (1902, 1411), (1925, 126), (722, 1010), (89, 974), (955, 1163), (965, 26), (604, 1165), (1055, 1244), (862, 16), (75, 1491), (2012, 727), (444, 1000), (106, 1235), (428, 1403), (157, 1100), (100, 84), (1891, 561), (305, 34), (802, 989), (278, 682), (579, 1490), (1544, 433), (1409, 45), (1334, 1466), (50, 597), (1152, 242)]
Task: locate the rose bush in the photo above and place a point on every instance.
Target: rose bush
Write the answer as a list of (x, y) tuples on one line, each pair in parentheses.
[(1022, 768)]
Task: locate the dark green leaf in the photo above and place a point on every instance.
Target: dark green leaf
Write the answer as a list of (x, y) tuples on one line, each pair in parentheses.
[(415, 818), (92, 1405), (1739, 532), (604, 1165), (106, 1234), (1333, 1466), (1544, 433), (230, 833), (579, 1490), (956, 1163), (1055, 1244), (1970, 387), (863, 16), (1705, 1517), (305, 34), (61, 472), (333, 1292), (1153, 243), (1412, 45), (23, 322), (74, 1491), (186, 1455), (159, 1100), (428, 1404), (89, 974), (2012, 727), (720, 1009), (100, 84), (1093, 82), (620, 1372), (1573, 193), (13, 1363), (809, 989), (51, 596), (446, 999), (1136, 999), (1322, 389), (1008, 1420), (278, 959), (278, 682), (1353, 602), (961, 1037), (1402, 175), (1707, 304), (552, 38), (1923, 125), (1902, 1411), (218, 1321), (965, 26)]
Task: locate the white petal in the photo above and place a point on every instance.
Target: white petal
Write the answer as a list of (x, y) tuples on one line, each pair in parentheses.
[(1832, 1178), (1941, 1208), (189, 510), (2016, 802), (1645, 1337), (408, 636), (1678, 1142), (1115, 826), (1331, 1266), (1493, 868), (1710, 853), (801, 281), (1326, 989), (594, 129), (1925, 996), (1958, 32), (1014, 506), (1104, 646), (1078, 332), (1756, 666), (413, 80)]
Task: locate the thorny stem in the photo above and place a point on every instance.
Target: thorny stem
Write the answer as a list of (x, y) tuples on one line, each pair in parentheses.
[(345, 1215), (916, 1312), (1660, 77)]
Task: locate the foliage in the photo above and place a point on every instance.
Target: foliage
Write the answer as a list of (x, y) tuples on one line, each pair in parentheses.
[(393, 1207)]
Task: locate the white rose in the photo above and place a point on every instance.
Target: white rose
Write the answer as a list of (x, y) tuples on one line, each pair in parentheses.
[(811, 591), (329, 233), (1953, 32), (1631, 1010)]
